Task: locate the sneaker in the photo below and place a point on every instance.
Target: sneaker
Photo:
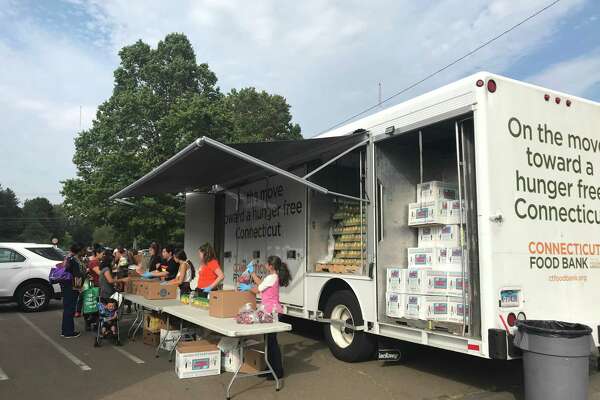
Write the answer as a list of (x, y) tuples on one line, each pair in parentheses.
[(74, 335)]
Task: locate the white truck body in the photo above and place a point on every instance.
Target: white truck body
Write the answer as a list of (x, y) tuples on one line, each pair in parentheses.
[(538, 253)]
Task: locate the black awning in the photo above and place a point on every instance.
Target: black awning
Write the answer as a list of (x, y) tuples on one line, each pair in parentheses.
[(206, 162)]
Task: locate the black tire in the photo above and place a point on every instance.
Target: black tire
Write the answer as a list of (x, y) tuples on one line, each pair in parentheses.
[(362, 345), (33, 297)]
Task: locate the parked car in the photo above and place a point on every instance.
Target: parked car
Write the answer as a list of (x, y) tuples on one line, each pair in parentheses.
[(24, 269)]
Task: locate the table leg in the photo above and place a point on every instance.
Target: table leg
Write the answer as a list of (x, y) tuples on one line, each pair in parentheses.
[(132, 328), (140, 312), (177, 341), (268, 364), (237, 371), (161, 342)]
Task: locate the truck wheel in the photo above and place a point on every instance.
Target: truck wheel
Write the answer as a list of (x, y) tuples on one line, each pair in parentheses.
[(33, 297), (345, 344)]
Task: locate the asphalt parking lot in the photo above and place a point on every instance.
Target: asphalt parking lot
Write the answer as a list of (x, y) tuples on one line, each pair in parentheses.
[(34, 359)]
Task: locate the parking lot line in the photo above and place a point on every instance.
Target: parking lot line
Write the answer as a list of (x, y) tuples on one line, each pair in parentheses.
[(129, 355), (3, 376), (58, 347)]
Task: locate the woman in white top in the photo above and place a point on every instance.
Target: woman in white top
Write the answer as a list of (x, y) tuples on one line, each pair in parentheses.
[(185, 275)]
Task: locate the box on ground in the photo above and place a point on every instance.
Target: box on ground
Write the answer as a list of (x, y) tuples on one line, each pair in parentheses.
[(396, 279), (254, 361), (151, 338), (436, 190), (227, 303), (155, 291), (169, 323), (197, 358), (168, 339), (395, 304), (151, 322)]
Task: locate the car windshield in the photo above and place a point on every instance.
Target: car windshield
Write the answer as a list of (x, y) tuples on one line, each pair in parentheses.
[(48, 252)]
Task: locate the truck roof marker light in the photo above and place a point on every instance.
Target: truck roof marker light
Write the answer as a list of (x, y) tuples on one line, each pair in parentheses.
[(491, 86), (557, 100), (547, 97), (479, 83), (511, 319), (568, 103)]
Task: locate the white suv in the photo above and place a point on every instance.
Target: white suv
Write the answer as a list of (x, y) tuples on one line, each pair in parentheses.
[(24, 269)]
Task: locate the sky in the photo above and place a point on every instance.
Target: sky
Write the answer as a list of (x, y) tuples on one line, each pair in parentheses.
[(326, 58)]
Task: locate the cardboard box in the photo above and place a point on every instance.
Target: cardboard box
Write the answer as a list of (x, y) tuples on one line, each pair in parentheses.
[(457, 310), (152, 322), (231, 359), (424, 307), (155, 291), (453, 212), (174, 323), (395, 304), (457, 283), (421, 257), (439, 236), (427, 213), (151, 338), (168, 339), (253, 362), (227, 303), (396, 279), (197, 358), (436, 190)]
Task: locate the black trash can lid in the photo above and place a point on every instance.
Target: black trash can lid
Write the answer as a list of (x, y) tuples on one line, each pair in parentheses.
[(553, 328)]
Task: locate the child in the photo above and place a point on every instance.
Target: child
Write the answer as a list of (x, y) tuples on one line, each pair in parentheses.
[(278, 275), (108, 315)]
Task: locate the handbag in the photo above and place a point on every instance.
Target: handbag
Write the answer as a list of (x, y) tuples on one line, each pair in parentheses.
[(59, 273)]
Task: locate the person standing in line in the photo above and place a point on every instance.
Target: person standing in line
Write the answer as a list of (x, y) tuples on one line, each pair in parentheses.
[(278, 275), (210, 274), (69, 293)]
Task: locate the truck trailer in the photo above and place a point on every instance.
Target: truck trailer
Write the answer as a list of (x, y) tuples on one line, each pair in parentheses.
[(441, 221)]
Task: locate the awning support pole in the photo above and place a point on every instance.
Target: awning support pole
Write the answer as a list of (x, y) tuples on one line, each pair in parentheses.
[(334, 159)]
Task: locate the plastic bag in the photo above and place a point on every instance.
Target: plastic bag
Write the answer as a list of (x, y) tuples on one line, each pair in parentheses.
[(247, 315), (244, 278), (554, 328), (263, 316)]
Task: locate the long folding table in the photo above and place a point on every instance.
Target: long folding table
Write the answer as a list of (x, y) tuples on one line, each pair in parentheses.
[(229, 327)]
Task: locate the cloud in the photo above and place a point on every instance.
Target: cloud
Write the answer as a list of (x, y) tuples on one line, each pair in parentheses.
[(575, 76), (326, 58)]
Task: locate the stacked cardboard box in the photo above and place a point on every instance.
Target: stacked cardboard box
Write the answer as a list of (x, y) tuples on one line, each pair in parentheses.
[(432, 287)]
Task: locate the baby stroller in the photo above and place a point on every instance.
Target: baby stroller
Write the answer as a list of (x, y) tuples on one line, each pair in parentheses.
[(103, 315)]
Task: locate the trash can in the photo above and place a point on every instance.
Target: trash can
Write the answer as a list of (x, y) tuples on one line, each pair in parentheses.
[(555, 359)]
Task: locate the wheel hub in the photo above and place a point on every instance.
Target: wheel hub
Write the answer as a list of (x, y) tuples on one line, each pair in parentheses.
[(34, 298), (342, 335)]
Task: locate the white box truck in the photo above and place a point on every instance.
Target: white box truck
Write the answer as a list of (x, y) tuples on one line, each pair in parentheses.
[(524, 159)]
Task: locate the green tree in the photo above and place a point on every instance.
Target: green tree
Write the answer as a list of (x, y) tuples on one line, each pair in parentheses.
[(162, 100), (11, 223), (260, 116), (35, 232), (40, 210), (105, 235)]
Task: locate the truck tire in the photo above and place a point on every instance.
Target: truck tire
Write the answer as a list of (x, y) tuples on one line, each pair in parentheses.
[(347, 345), (33, 297)]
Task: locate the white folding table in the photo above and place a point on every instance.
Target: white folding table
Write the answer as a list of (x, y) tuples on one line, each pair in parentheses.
[(229, 327)]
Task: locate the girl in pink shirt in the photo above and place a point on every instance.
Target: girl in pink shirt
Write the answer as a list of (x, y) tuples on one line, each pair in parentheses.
[(278, 275)]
